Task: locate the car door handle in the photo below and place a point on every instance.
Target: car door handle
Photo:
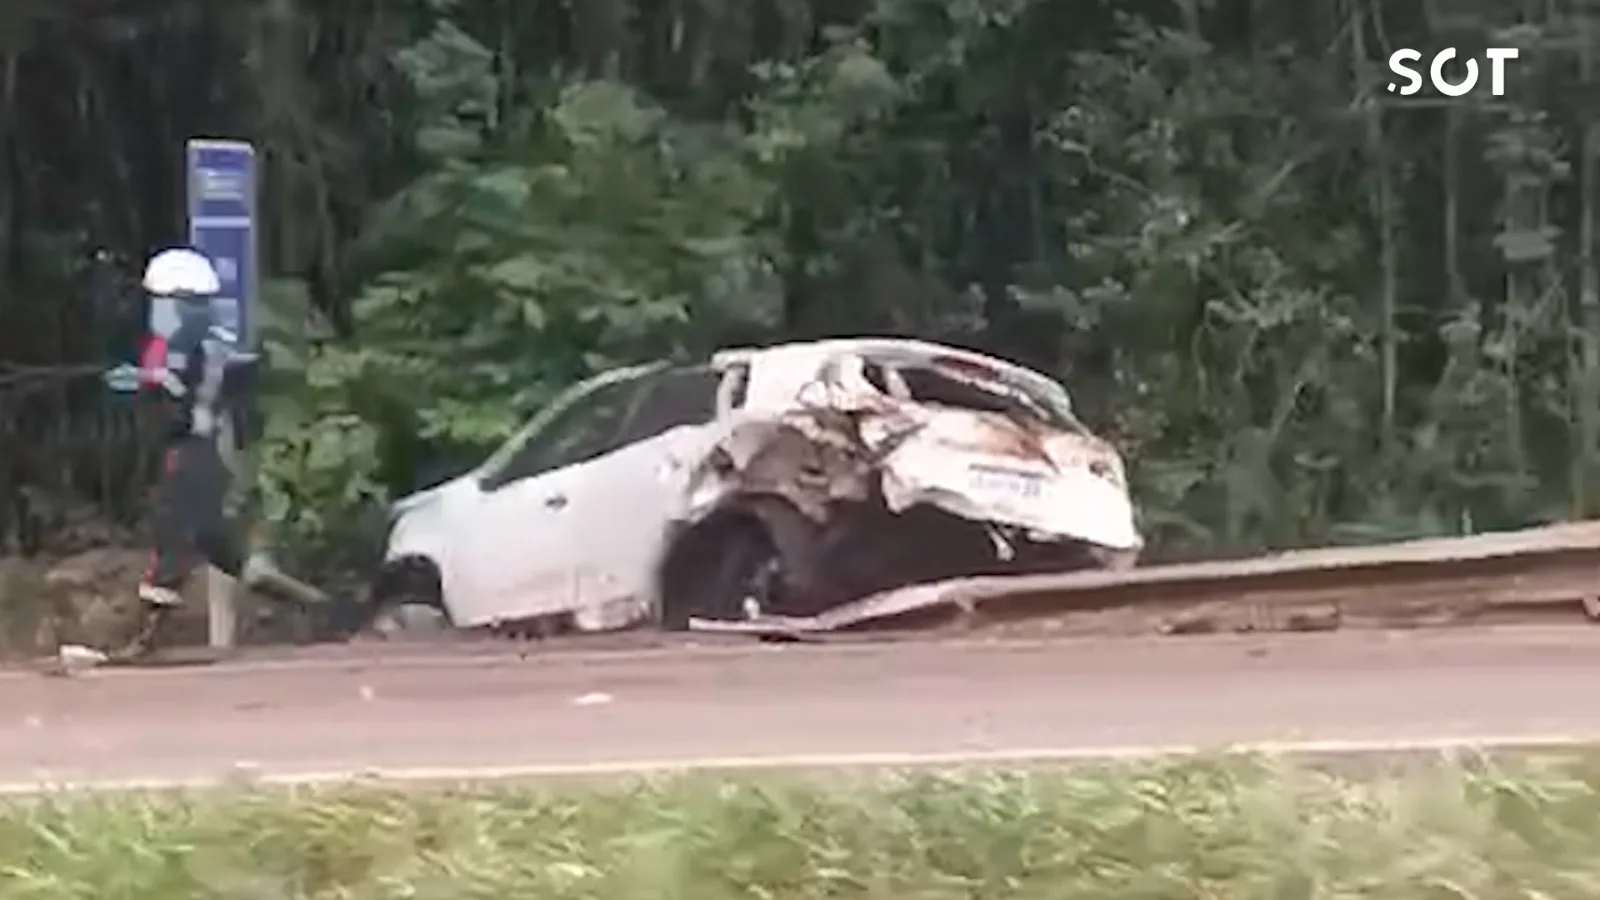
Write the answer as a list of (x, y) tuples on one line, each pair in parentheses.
[(555, 501)]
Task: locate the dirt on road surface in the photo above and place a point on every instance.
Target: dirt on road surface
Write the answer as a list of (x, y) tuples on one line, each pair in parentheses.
[(407, 709)]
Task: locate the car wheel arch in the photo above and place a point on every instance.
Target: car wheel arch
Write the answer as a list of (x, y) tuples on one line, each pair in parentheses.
[(778, 521), (412, 577)]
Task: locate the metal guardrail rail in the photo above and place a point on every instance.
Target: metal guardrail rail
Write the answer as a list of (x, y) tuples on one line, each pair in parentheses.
[(1415, 583), (1436, 581)]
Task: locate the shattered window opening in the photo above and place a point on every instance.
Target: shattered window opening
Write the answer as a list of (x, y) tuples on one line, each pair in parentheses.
[(738, 385), (876, 376), (940, 388)]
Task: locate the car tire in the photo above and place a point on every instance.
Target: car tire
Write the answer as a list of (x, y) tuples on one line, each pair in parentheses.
[(761, 546), (398, 597), (409, 621)]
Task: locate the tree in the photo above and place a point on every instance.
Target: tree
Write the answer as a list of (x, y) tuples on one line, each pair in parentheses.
[(1313, 311)]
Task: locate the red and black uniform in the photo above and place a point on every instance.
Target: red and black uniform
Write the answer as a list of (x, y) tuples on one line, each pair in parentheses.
[(190, 369)]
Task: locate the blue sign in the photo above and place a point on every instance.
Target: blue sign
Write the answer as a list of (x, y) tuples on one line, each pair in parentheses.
[(222, 225)]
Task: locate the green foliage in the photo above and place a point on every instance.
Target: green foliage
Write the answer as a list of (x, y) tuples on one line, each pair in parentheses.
[(591, 232), (1311, 311), (1236, 827)]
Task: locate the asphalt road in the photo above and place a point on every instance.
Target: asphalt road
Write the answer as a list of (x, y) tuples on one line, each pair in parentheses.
[(416, 709)]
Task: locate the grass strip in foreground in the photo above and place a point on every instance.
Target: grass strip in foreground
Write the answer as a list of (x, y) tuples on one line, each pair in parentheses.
[(1234, 828)]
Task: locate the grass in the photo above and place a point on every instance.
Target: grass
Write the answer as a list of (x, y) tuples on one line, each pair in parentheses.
[(1230, 829)]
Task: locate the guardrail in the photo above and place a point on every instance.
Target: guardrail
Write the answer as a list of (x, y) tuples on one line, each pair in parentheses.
[(1436, 581)]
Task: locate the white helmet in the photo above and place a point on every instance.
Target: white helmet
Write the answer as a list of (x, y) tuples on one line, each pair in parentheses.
[(181, 272)]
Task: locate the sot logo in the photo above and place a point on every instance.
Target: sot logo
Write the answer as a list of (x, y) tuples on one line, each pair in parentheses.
[(1497, 56)]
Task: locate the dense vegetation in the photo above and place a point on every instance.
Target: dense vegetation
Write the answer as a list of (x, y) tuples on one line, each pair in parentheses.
[(1311, 310)]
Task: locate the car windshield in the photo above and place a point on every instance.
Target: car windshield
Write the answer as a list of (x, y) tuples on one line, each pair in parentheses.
[(562, 402), (505, 451), (503, 454)]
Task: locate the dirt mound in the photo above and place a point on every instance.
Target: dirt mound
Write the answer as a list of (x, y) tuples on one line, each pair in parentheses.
[(85, 598)]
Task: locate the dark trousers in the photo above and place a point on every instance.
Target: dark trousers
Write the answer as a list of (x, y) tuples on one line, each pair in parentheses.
[(187, 518)]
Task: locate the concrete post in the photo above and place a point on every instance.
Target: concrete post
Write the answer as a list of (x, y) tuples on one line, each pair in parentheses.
[(222, 590), (222, 618)]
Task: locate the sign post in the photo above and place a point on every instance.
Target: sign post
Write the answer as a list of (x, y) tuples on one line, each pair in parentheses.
[(223, 188), (222, 225)]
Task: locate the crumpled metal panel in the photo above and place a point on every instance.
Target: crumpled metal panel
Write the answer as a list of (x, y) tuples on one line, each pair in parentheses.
[(844, 435)]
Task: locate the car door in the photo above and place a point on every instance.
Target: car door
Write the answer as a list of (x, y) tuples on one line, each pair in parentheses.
[(522, 537), (636, 488)]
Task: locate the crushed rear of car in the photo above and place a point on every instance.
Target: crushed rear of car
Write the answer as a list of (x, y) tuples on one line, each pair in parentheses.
[(909, 463)]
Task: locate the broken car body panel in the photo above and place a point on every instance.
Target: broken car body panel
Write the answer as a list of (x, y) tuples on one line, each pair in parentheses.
[(1043, 472), (985, 467), (902, 425)]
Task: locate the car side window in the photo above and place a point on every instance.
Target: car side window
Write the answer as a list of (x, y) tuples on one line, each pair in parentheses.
[(576, 434), (673, 399), (876, 375)]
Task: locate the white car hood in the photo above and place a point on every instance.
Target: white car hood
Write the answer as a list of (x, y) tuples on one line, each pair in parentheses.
[(424, 498)]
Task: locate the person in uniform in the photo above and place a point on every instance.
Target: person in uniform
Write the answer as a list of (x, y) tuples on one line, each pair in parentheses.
[(187, 367)]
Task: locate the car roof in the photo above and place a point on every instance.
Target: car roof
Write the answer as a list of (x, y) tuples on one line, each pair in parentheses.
[(865, 346), (883, 348), (796, 352)]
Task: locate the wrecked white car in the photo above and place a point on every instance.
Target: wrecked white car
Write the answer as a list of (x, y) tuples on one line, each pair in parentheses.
[(774, 482)]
